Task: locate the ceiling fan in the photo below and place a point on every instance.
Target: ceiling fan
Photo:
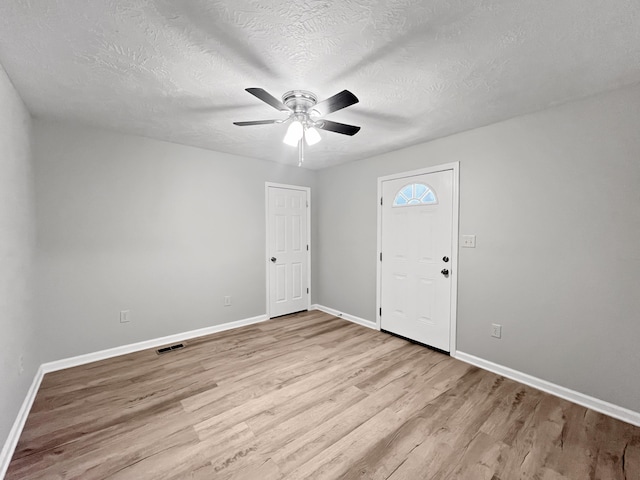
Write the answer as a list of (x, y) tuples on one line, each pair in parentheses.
[(305, 114)]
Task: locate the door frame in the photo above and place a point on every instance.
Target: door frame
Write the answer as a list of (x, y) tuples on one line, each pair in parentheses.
[(268, 185), (455, 167)]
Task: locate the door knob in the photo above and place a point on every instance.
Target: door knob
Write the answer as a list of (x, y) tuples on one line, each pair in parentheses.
[(273, 259), (445, 259), (445, 272)]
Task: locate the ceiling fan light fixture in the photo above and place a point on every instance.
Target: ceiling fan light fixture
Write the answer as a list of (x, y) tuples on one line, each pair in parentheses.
[(294, 133), (312, 136)]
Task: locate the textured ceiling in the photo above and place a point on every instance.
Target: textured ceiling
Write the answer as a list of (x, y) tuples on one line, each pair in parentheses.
[(422, 69)]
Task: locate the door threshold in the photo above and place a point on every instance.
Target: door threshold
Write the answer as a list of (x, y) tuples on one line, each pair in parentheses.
[(439, 350), (287, 314)]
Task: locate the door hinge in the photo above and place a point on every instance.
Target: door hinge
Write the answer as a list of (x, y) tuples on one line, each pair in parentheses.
[(307, 290), (380, 200), (307, 248), (380, 311), (380, 256)]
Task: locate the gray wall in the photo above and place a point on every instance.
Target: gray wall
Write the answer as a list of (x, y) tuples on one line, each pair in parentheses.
[(554, 199), (17, 326), (161, 229)]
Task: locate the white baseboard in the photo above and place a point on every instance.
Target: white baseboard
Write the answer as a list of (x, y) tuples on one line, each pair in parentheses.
[(346, 316), (156, 342), (596, 404), (14, 435)]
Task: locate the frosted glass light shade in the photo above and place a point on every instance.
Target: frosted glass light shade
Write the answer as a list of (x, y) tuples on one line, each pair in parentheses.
[(294, 133), (312, 136)]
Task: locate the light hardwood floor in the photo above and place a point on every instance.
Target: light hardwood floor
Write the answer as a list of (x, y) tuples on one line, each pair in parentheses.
[(310, 396)]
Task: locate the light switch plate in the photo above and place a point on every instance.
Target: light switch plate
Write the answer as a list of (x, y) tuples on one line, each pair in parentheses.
[(496, 330), (469, 241)]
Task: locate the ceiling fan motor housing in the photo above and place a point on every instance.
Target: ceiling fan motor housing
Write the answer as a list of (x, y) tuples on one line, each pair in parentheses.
[(300, 101)]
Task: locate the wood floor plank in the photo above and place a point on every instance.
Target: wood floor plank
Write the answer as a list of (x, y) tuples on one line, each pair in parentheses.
[(539, 437), (351, 367), (383, 458), (112, 409), (481, 458), (451, 421), (313, 442), (98, 454), (310, 396), (302, 412), (334, 460)]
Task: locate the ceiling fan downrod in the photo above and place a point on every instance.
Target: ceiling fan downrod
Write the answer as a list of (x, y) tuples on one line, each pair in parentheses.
[(300, 152)]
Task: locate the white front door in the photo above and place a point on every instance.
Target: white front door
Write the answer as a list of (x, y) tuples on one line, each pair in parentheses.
[(287, 250), (416, 267)]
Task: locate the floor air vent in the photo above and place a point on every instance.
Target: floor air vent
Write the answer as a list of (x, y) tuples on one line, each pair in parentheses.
[(162, 350)]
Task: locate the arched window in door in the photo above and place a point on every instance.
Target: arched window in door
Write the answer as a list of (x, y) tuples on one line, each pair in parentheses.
[(415, 194)]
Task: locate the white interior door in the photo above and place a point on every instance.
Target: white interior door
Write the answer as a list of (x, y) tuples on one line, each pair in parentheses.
[(287, 250), (416, 272)]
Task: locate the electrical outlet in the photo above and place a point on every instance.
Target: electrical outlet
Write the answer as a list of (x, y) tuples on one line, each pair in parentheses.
[(125, 316), (469, 241), (227, 301), (496, 330)]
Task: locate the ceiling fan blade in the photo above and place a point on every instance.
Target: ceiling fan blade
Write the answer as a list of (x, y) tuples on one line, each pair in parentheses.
[(256, 122), (338, 127), (268, 98), (339, 101)]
